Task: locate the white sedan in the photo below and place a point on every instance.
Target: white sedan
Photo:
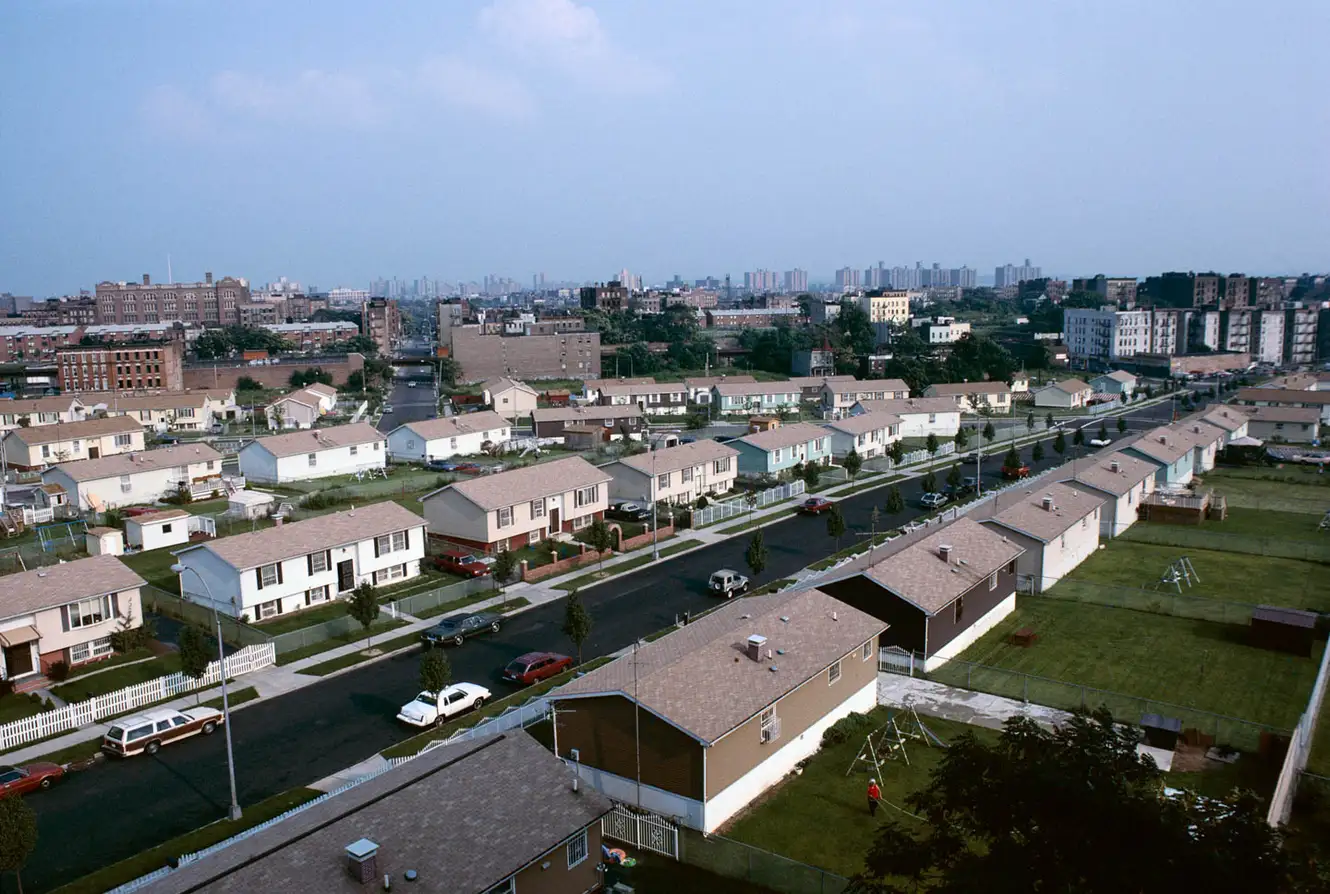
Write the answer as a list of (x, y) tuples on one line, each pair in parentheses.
[(429, 708)]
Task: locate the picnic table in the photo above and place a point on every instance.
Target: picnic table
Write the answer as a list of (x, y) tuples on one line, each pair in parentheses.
[(1025, 637)]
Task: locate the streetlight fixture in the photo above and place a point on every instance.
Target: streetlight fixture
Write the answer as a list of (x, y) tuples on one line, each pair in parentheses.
[(180, 569)]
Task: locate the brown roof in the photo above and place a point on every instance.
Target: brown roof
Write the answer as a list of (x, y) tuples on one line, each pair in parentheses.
[(320, 388), (163, 515), (910, 405), (1285, 414), (68, 431), (709, 381), (143, 460), (857, 386), (30, 591), (452, 426), (597, 384), (1283, 396), (256, 548), (690, 677), (1101, 475), (682, 456), (306, 396), (585, 414), (1228, 418), (1118, 375), (617, 388), (1070, 386), (918, 574), (168, 400), (1199, 433), (527, 483), (865, 422), (465, 817), (501, 384), (954, 388), (731, 388), (785, 436), (819, 381), (1161, 444), (23, 406), (312, 440), (1033, 517)]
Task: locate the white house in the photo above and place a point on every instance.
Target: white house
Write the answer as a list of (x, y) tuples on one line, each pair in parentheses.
[(869, 434), (699, 387), (39, 411), (154, 530), (447, 436), (920, 416), (510, 398), (1118, 382), (839, 395), (1067, 394), (65, 612), (303, 408), (167, 411), (1207, 440), (1233, 421), (677, 474), (1058, 525), (137, 478), (973, 397), (37, 448), (1122, 480), (1294, 425), (267, 573), (655, 399), (317, 453)]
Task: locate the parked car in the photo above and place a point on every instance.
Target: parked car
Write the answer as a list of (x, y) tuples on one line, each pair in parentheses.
[(429, 708), (727, 582), (933, 501), (458, 628), (627, 510), (459, 561), (956, 492), (410, 384), (1100, 442), (146, 733), (815, 505), (468, 469), (723, 439), (536, 666), (441, 465), (29, 777), (970, 483), (1013, 473), (387, 408)]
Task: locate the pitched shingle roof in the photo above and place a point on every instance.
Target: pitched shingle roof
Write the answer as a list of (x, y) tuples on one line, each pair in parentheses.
[(1116, 473), (256, 548), (30, 591), (731, 388), (784, 436), (503, 383), (1230, 419), (865, 422), (1070, 386), (163, 515), (709, 381), (142, 461), (68, 431), (585, 414), (1119, 375), (911, 405), (954, 388), (682, 456), (690, 677), (527, 483), (306, 396), (1033, 517), (21, 407), (312, 440), (1161, 444), (453, 426), (1284, 396), (168, 400), (1285, 414), (615, 388)]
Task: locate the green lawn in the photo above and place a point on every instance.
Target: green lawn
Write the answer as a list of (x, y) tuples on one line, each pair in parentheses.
[(1246, 492), (309, 617), (234, 697), (17, 706), (1270, 524), (1198, 664), (758, 522), (452, 605), (596, 577), (383, 625), (155, 567), (1319, 762), (114, 661), (80, 688)]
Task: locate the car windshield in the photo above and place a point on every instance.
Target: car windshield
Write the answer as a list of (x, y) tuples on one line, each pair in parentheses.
[(115, 732), (425, 698), (516, 667)]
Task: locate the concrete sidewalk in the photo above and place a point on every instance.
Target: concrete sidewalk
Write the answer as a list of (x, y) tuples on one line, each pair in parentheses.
[(960, 705)]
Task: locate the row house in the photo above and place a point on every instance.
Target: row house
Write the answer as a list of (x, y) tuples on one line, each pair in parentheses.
[(656, 399), (782, 448), (47, 445), (974, 397), (316, 453), (302, 408), (1294, 425), (699, 387), (614, 423), (34, 412), (448, 436), (1232, 421), (1066, 394), (810, 387), (1122, 480), (165, 411), (746, 398), (311, 338), (134, 479), (1170, 452), (1287, 397), (869, 434), (36, 343), (838, 396), (1057, 526), (920, 416), (678, 474)]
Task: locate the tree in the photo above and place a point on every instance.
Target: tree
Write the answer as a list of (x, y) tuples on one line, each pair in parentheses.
[(436, 672), (1102, 434), (1012, 460), (874, 518), (505, 564), (1122, 424), (835, 524), (1037, 452), (355, 381), (600, 538), (930, 482), (989, 432), (853, 462), (1029, 422), (24, 421), (1079, 437), (1060, 443), (1048, 421), (756, 555), (360, 344), (895, 501), (248, 383), (750, 500), (577, 622), (194, 654), (962, 439), (1016, 816), (931, 444), (954, 476), (18, 836), (812, 474), (896, 451), (363, 605)]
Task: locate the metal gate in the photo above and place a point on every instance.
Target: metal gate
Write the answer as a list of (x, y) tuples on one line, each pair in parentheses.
[(896, 660), (641, 829)]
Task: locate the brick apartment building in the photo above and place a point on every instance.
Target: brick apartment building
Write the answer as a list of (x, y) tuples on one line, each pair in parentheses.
[(209, 303), (121, 367), (36, 343), (573, 355), (80, 311), (612, 295), (313, 337), (381, 322)]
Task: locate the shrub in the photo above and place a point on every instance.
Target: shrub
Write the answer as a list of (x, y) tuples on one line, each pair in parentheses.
[(58, 671), (326, 499), (851, 726), (6, 688)]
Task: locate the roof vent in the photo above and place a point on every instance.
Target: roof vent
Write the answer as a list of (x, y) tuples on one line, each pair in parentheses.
[(1115, 467), (944, 552), (785, 618), (1048, 503), (755, 644), (1163, 439), (409, 875), (362, 860)]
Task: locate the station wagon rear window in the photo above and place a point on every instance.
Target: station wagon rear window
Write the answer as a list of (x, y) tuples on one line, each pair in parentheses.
[(116, 733), (139, 732)]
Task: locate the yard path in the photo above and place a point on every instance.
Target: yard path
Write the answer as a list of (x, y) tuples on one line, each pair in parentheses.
[(961, 705)]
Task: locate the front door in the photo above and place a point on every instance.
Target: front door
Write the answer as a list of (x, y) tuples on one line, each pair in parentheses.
[(554, 522), (94, 452), (18, 660), (346, 575)]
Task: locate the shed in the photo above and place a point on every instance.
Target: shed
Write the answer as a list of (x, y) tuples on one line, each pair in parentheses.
[(157, 529), (762, 423), (583, 437), (105, 542), (1283, 629), (249, 504)]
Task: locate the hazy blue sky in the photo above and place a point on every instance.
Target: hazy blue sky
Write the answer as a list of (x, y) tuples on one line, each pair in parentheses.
[(336, 141)]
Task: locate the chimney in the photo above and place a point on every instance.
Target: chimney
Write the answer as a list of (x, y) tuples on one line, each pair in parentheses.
[(277, 521), (207, 278), (1115, 467), (362, 861), (1048, 503), (1163, 439), (944, 552), (755, 644)]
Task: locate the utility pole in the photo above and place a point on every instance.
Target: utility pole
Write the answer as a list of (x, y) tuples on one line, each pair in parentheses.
[(637, 729)]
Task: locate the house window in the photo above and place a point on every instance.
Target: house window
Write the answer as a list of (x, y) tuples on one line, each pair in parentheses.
[(268, 609), (663, 481), (770, 725), (833, 673), (452, 444), (355, 449), (686, 475), (123, 440), (868, 650), (90, 650), (1085, 521), (992, 581), (398, 541), (46, 451), (721, 465), (211, 464), (125, 486), (775, 455), (396, 572), (318, 562), (315, 595), (538, 508), (581, 522), (268, 576), (577, 849), (378, 445), (533, 536), (313, 460), (505, 516), (88, 612), (586, 496)]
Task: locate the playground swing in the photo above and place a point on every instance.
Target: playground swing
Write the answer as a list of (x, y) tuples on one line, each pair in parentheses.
[(887, 742), (1178, 573)]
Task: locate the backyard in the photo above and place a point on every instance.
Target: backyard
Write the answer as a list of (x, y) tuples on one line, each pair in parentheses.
[(1276, 490)]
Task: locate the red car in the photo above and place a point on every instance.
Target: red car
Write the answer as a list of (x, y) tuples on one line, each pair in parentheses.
[(1012, 473), (461, 562), (21, 780), (815, 505), (536, 666)]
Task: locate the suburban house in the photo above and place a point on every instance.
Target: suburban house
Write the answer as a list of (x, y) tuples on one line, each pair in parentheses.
[(614, 423), (656, 399), (316, 453), (263, 574), (303, 408), (1171, 453), (698, 723), (840, 395), (448, 436), (678, 474), (1233, 421), (920, 416), (136, 478), (732, 398), (775, 450), (869, 434), (167, 411), (1295, 425), (938, 594), (974, 397), (1287, 397), (1058, 525), (154, 530), (591, 387), (1067, 394), (38, 411), (510, 398), (1020, 382), (510, 510), (1122, 480), (65, 612), (1118, 382), (46, 445), (810, 387), (494, 814), (1206, 440), (699, 387)]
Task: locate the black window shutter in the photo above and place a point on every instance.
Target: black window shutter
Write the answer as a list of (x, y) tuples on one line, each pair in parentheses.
[(309, 563), (279, 572), (258, 573), (327, 560), (64, 618), (406, 538), (376, 547)]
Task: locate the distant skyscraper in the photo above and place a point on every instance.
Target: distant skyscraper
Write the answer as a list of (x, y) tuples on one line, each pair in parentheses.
[(796, 280), (848, 278), (1012, 275), (761, 281)]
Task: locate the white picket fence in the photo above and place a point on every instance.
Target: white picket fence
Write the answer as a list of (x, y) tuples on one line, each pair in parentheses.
[(734, 508), (49, 723)]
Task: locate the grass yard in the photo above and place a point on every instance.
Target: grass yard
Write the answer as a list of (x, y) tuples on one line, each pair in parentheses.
[(234, 697), (1198, 664), (80, 688), (452, 605), (758, 522), (821, 817), (379, 628), (18, 706), (1270, 524), (115, 660), (596, 577), (308, 617), (1246, 492), (155, 567), (1319, 762)]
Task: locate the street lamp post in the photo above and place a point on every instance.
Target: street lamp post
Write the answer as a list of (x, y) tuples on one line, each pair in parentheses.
[(234, 811)]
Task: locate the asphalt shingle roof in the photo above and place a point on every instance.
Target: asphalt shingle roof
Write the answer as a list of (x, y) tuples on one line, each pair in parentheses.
[(784, 436), (53, 585), (68, 431), (682, 456), (1030, 516), (143, 460), (312, 440), (865, 422), (527, 483), (452, 426), (1101, 475)]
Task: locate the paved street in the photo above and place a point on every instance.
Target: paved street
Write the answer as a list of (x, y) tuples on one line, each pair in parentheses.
[(297, 739)]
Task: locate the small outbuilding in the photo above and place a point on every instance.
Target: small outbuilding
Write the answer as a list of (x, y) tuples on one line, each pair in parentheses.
[(105, 542), (250, 504), (1283, 629), (154, 530)]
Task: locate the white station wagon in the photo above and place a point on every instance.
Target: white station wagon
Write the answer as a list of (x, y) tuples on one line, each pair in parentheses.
[(429, 708), (146, 733)]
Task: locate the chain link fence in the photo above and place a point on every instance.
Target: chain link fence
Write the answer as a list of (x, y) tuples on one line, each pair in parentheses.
[(1158, 602), (1200, 538), (743, 862), (235, 632), (718, 512)]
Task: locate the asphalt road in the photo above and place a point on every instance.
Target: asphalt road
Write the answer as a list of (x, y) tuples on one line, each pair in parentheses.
[(120, 808), (409, 404)]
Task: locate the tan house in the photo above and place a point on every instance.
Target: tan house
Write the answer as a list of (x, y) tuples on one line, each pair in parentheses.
[(975, 397), (677, 474), (65, 612), (46, 445), (1232, 421), (490, 815), (699, 723), (1294, 425), (510, 398), (513, 509), (39, 411), (130, 479), (840, 395), (303, 408), (1122, 480), (1067, 394)]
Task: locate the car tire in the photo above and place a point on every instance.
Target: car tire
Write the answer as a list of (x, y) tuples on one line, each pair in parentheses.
[(743, 589), (494, 628), (46, 782), (209, 728), (478, 703), (152, 748), (458, 640)]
